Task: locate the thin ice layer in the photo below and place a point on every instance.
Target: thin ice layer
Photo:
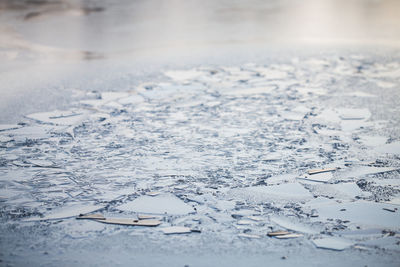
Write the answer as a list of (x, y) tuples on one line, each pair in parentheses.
[(160, 204), (282, 192)]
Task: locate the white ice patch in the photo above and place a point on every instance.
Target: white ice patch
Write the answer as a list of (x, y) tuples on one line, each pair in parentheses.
[(307, 91), (362, 213), (176, 230), (132, 99), (319, 177), (4, 127), (373, 141), (30, 132), (10, 193), (252, 91), (162, 92), (393, 148), (113, 105), (112, 96), (348, 191), (18, 175), (106, 97), (365, 170), (58, 117), (388, 182), (389, 243), (183, 75), (282, 192), (354, 114), (279, 179), (166, 203), (394, 201), (42, 163), (93, 102), (384, 84), (328, 115), (353, 119), (68, 211), (359, 94), (293, 116), (332, 243), (271, 74), (352, 125), (249, 236), (295, 225)]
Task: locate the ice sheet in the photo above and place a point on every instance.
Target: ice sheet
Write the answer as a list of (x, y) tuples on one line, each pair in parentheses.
[(67, 211), (392, 148), (282, 192), (160, 204), (364, 213), (58, 117), (332, 243)]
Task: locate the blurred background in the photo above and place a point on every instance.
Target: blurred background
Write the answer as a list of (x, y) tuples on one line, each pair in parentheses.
[(48, 48)]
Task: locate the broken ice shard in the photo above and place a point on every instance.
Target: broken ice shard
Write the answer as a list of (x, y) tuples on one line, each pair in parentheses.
[(160, 204), (282, 192), (332, 243)]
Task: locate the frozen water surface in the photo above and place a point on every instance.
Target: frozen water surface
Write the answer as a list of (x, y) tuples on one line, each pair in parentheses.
[(209, 151), (341, 191), (67, 211), (392, 148), (213, 133), (8, 126), (161, 204), (332, 243), (264, 194), (213, 152), (363, 214)]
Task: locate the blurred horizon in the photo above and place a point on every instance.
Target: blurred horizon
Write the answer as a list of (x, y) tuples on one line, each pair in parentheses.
[(46, 44), (97, 29)]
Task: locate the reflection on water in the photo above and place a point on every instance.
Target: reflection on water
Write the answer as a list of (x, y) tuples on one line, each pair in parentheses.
[(129, 27), (56, 45)]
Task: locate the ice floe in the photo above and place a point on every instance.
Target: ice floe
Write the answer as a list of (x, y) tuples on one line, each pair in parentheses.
[(235, 148), (365, 214), (160, 204), (183, 75), (4, 127), (58, 117), (332, 243), (318, 177), (71, 210), (392, 148), (360, 171), (343, 191), (295, 225), (282, 192)]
